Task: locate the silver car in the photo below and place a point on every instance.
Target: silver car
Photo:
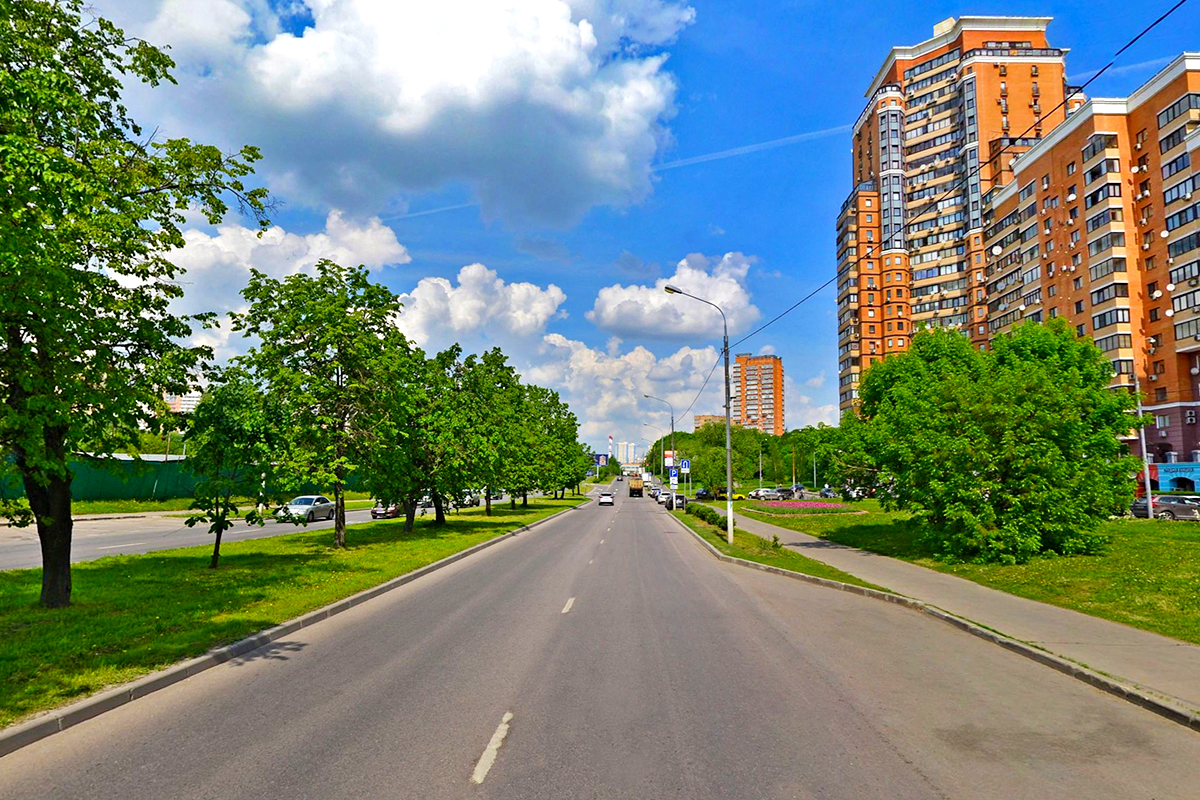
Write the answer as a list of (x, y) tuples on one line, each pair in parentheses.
[(309, 507)]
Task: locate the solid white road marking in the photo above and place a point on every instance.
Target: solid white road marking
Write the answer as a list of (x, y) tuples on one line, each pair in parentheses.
[(489, 753), (115, 546), (567, 607)]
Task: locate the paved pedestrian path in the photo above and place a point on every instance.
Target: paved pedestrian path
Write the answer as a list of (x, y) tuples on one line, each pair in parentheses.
[(1154, 663)]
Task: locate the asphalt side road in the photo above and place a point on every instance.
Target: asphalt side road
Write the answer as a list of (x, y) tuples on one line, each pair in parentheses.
[(96, 538), (606, 655)]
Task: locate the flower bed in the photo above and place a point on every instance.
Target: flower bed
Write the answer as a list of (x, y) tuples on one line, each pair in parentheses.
[(798, 507)]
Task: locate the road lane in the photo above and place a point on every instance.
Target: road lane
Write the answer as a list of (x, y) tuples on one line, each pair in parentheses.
[(672, 675), (97, 538)]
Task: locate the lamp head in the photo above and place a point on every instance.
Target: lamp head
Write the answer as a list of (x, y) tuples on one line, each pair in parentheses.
[(669, 289)]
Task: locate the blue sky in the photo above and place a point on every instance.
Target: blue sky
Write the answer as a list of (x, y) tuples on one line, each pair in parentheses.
[(734, 75)]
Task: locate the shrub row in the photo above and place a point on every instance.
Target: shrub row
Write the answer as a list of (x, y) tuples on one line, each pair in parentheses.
[(706, 513)]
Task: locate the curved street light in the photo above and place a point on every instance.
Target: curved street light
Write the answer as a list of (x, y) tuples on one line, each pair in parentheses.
[(674, 455), (660, 450), (728, 449)]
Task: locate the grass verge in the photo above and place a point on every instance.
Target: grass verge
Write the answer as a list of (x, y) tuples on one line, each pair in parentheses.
[(754, 548), (174, 504), (138, 613), (1148, 577)]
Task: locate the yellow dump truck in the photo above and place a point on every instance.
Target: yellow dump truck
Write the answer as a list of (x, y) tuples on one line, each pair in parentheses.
[(635, 486)]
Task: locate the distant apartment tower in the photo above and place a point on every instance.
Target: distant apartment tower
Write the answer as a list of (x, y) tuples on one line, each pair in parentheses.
[(756, 389), (183, 403), (910, 233), (1101, 226), (627, 452), (700, 420)]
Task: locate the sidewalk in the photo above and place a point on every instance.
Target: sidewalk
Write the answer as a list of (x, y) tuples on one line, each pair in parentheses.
[(1154, 663)]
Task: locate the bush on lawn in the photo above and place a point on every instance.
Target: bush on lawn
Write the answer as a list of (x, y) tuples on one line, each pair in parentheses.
[(706, 513)]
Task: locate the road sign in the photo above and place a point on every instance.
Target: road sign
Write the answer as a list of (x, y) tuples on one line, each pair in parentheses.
[(685, 466), (674, 472), (601, 459)]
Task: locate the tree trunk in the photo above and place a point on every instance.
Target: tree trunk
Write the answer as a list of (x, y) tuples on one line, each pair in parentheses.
[(217, 543), (410, 514), (512, 501), (487, 494), (524, 499), (439, 510), (339, 508), (51, 506)]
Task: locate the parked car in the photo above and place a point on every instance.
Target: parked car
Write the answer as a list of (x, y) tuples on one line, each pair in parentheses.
[(1169, 506), (606, 499), (661, 497), (389, 511), (770, 494), (736, 495), (309, 507), (703, 494), (620, 477), (828, 493), (755, 494), (676, 501)]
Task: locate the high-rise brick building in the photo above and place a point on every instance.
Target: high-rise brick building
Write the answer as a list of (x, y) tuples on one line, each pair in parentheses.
[(1083, 210), (1100, 226), (756, 389), (910, 234)]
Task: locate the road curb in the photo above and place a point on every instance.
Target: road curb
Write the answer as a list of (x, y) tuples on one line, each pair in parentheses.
[(1166, 707), (27, 733)]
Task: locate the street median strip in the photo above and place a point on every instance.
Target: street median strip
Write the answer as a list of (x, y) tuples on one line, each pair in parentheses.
[(18, 736), (1130, 692)]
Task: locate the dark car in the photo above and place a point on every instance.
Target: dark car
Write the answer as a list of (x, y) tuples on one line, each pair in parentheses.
[(1169, 506), (703, 494), (389, 511), (828, 493), (620, 477)]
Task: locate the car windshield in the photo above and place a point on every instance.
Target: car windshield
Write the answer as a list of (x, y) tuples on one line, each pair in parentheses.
[(301, 501)]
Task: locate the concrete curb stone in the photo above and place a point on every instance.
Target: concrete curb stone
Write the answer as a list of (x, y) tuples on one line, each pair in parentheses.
[(19, 736), (1163, 706)]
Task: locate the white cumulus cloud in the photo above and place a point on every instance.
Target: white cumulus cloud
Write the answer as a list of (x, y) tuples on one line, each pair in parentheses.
[(217, 264), (481, 308), (640, 310), (545, 107)]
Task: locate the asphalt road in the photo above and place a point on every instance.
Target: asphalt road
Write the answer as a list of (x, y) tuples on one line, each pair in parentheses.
[(96, 538), (605, 655)]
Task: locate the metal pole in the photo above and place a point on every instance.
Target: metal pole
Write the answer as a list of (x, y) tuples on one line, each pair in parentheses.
[(1137, 389), (728, 441), (760, 464), (814, 471)]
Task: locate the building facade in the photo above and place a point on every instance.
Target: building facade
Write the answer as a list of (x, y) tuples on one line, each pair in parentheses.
[(756, 393), (1101, 226), (627, 452), (700, 420), (924, 154)]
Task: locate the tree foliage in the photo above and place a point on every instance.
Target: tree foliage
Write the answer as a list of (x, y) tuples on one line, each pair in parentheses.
[(1004, 453), (235, 447), (319, 354), (89, 209)]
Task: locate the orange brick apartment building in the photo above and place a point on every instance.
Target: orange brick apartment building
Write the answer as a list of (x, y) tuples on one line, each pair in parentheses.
[(756, 386), (1088, 216)]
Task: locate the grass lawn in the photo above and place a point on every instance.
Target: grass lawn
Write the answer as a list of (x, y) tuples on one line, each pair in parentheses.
[(1148, 577), (362, 500), (138, 613), (754, 548)]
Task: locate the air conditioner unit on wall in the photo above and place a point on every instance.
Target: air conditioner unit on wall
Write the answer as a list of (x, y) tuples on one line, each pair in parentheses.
[(1153, 377)]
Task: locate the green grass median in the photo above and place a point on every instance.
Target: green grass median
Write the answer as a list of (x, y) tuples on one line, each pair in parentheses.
[(754, 548), (1148, 577), (138, 613), (83, 507)]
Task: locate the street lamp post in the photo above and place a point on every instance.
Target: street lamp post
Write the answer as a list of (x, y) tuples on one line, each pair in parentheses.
[(728, 447), (674, 455)]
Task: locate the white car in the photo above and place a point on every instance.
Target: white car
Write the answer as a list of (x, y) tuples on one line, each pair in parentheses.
[(309, 507), (607, 499)]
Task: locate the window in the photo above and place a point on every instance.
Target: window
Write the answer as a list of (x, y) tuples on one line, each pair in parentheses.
[(1154, 315), (1109, 292), (1106, 267), (1079, 307), (1178, 164), (1114, 341), (1071, 168), (1103, 193), (1110, 317), (1052, 290), (1103, 218), (1077, 283), (1188, 101), (1160, 394), (1162, 420)]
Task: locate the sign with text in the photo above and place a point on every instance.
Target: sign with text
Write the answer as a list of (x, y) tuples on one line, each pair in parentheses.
[(669, 457), (674, 477), (685, 466), (601, 459)]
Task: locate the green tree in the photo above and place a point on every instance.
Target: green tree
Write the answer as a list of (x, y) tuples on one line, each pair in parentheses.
[(234, 446), (89, 209), (318, 355), (1003, 454), (491, 395)]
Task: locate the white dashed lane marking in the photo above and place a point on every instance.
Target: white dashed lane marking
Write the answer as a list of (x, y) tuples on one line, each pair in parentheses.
[(567, 607), (489, 753)]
